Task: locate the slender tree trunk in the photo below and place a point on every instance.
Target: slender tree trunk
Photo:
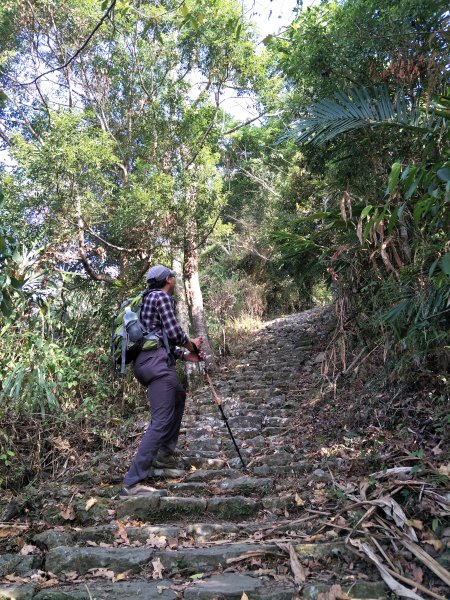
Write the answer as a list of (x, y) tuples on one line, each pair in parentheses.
[(194, 293), (180, 295), (183, 315)]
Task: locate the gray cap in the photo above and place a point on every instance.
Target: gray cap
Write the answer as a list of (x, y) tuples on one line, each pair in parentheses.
[(159, 273)]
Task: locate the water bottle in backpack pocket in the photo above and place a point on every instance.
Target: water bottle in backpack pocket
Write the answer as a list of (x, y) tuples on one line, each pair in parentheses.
[(129, 336)]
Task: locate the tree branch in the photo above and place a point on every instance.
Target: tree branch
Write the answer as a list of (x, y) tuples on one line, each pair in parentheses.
[(82, 251), (261, 181), (5, 138), (247, 123), (80, 50)]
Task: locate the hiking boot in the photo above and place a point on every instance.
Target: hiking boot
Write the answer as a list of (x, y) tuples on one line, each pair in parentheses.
[(168, 461), (136, 490)]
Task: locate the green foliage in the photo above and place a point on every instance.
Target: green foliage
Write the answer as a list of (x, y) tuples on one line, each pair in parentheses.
[(5, 457), (357, 108), (381, 235)]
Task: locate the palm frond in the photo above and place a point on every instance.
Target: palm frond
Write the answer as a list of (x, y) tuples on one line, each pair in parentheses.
[(357, 108)]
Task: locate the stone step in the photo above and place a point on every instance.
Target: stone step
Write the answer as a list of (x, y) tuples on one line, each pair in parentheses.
[(247, 485), (273, 431), (18, 564), (277, 421), (205, 475), (227, 586), (205, 463), (184, 561), (190, 488), (154, 508), (295, 468), (230, 586), (110, 533), (144, 590)]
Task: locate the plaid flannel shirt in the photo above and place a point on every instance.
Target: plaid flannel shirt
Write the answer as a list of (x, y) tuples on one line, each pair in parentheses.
[(158, 310)]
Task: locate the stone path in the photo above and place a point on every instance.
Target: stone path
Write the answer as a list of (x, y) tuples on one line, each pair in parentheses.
[(212, 530)]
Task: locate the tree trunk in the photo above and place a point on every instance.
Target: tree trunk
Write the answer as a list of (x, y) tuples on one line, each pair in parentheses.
[(194, 294), (183, 315), (180, 296)]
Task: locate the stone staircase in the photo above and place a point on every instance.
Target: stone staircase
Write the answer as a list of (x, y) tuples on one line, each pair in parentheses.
[(212, 530)]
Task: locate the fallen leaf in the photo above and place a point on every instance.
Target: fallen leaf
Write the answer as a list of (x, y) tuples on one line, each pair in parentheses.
[(298, 500), (121, 531), (90, 503), (437, 544), (331, 534), (15, 579), (9, 531), (244, 596), (27, 549), (68, 514), (392, 509), (296, 566), (341, 522), (437, 450), (121, 576), (334, 593), (101, 572), (394, 585), (157, 541), (417, 574), (49, 583), (158, 569), (445, 469), (415, 523)]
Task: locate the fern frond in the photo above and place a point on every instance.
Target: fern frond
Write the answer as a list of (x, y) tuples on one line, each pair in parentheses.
[(358, 108)]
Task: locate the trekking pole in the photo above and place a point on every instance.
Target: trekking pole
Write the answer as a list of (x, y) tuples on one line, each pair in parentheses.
[(219, 404)]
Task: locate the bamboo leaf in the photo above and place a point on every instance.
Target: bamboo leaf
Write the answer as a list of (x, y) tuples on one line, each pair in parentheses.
[(445, 263), (366, 210), (394, 176), (444, 174)]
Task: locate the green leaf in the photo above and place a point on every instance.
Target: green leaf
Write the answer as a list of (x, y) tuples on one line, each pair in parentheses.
[(433, 267), (366, 210), (435, 525), (445, 263), (392, 221), (196, 576), (238, 31), (105, 5), (184, 9), (444, 174), (394, 176), (412, 188)]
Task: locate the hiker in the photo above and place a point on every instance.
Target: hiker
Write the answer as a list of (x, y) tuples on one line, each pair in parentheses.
[(156, 370)]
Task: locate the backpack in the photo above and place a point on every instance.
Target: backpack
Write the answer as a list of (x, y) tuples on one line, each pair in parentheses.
[(129, 336)]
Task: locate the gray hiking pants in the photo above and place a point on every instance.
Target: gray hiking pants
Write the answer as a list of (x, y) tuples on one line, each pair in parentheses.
[(166, 397)]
